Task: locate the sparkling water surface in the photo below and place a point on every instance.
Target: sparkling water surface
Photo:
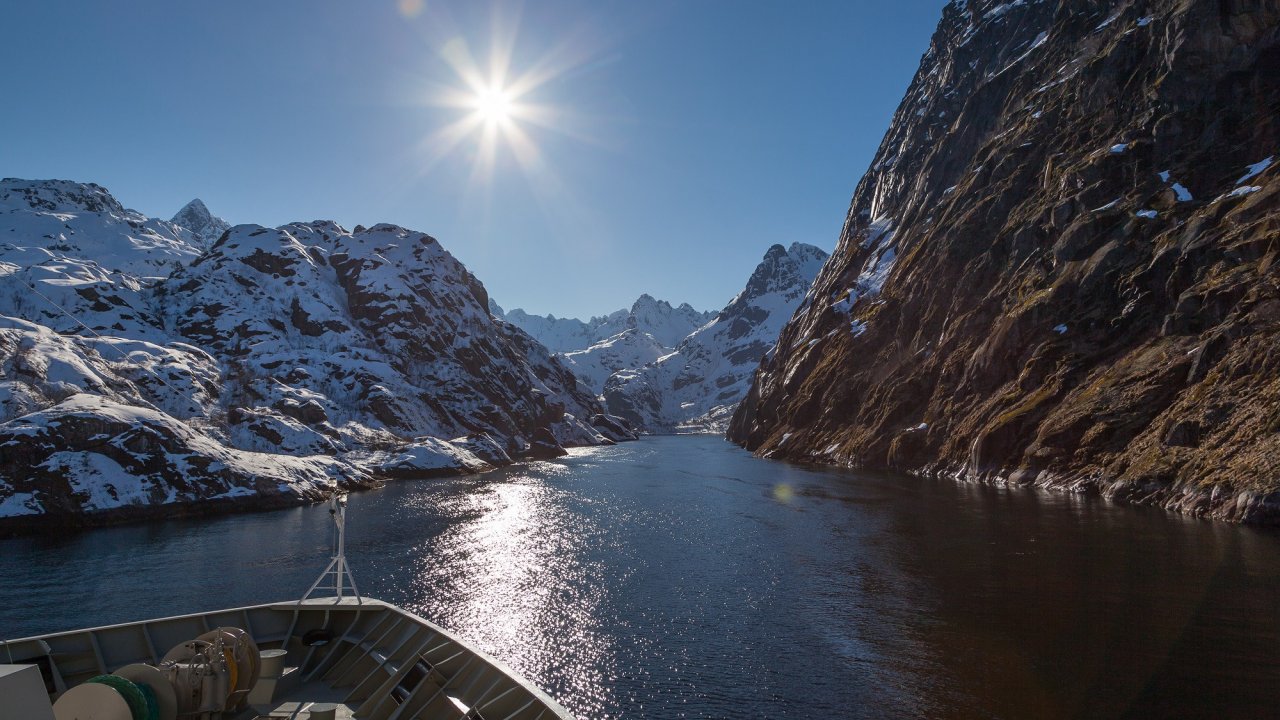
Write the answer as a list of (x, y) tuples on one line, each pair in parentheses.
[(680, 577)]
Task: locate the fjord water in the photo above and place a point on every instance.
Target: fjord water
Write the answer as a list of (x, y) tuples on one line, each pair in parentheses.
[(680, 577)]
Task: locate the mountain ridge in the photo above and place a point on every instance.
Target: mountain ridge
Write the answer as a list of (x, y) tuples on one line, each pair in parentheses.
[(667, 324)]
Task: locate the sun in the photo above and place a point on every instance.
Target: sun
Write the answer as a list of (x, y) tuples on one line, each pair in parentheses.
[(494, 105), (497, 112)]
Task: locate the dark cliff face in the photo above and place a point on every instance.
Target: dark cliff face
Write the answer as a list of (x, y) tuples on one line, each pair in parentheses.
[(1062, 268)]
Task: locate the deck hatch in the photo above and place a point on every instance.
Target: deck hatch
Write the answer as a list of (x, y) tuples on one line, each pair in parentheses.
[(413, 677)]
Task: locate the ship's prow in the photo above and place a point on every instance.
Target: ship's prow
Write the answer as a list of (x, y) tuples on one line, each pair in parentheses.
[(348, 657)]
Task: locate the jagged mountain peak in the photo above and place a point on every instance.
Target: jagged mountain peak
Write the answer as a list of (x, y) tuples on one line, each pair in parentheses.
[(668, 325), (648, 303), (804, 252), (204, 225), (194, 209), (782, 270), (658, 318)]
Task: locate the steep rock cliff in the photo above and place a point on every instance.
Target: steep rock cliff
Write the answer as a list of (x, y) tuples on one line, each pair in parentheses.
[(1062, 267)]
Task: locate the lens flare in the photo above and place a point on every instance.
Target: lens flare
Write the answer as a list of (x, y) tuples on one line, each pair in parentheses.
[(501, 96), (783, 493), (409, 8)]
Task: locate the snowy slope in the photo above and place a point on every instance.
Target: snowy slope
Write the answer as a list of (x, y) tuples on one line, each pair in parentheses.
[(628, 349), (89, 453), (83, 220), (697, 386)]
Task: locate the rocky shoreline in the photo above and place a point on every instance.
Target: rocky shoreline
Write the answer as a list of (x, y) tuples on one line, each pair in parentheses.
[(1212, 503), (58, 523), (37, 525)]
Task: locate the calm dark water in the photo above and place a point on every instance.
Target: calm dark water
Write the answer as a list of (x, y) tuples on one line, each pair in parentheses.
[(679, 577)]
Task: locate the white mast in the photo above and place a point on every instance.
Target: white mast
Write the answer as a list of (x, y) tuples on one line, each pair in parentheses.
[(337, 566)]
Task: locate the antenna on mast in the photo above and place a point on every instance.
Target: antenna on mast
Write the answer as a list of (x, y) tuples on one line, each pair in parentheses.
[(338, 567)]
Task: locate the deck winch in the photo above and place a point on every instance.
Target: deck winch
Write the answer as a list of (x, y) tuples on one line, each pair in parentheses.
[(205, 679)]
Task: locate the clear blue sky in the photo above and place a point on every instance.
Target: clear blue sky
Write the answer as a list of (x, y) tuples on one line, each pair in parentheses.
[(675, 141)]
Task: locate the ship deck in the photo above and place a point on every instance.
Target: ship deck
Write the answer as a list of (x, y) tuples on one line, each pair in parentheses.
[(371, 659), (297, 704)]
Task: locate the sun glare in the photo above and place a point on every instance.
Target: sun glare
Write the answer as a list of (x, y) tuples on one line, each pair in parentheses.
[(494, 105), (500, 109)]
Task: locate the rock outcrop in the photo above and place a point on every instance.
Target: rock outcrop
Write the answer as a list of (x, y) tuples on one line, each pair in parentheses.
[(1062, 267), (89, 457), (696, 387)]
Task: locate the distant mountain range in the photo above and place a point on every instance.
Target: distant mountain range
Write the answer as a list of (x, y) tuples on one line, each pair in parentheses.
[(150, 365), (626, 338), (697, 386), (673, 369)]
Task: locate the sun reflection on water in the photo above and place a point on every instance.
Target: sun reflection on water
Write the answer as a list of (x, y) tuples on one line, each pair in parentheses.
[(511, 575)]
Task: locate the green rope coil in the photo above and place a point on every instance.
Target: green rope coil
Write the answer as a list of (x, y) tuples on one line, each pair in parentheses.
[(153, 705), (129, 691)]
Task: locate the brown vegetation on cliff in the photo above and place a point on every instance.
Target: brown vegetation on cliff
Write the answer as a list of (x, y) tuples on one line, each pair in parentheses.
[(1063, 267)]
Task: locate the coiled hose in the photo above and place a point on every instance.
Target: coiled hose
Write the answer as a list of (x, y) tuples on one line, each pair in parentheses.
[(140, 698)]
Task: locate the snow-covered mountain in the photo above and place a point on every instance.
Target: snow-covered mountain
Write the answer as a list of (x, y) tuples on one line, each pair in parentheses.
[(696, 387), (274, 366), (558, 335), (622, 339), (204, 225), (668, 325), (658, 318)]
